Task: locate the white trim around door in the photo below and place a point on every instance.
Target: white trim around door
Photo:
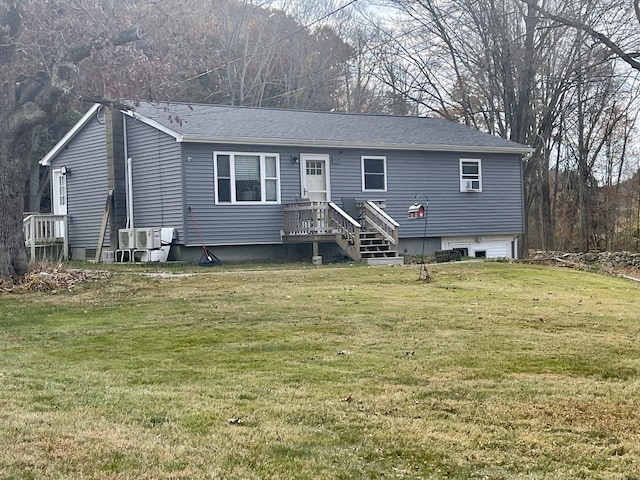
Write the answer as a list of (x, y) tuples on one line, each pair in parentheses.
[(315, 177)]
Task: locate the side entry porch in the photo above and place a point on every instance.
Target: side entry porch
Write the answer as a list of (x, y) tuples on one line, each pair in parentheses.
[(45, 236)]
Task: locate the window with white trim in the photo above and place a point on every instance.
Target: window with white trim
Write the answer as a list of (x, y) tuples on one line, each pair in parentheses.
[(246, 177), (374, 174), (62, 190), (470, 175)]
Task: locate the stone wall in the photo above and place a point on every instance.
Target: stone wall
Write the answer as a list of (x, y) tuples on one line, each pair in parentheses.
[(605, 259)]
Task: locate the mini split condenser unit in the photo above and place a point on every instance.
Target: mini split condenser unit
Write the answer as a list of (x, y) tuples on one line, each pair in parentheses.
[(139, 238), (126, 239), (148, 238)]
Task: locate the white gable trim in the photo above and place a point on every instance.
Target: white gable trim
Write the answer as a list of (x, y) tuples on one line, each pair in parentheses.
[(46, 160), (152, 123)]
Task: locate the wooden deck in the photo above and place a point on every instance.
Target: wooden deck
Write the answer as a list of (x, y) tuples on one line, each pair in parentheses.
[(373, 235)]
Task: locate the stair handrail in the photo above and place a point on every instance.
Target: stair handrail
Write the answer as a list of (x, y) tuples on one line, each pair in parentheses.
[(382, 213), (347, 231), (382, 222), (344, 214)]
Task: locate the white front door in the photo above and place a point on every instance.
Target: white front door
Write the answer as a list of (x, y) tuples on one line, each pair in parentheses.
[(59, 198), (315, 177)]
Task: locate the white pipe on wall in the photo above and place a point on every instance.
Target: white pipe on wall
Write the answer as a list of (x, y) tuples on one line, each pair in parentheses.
[(130, 192), (129, 179)]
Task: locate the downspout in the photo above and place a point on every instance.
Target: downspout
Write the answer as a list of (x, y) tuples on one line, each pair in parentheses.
[(129, 173), (130, 192)]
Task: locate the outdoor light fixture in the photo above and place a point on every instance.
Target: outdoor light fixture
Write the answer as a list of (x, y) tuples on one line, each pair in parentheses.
[(63, 170), (295, 159)]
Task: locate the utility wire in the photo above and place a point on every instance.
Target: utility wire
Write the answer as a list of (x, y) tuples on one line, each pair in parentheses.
[(328, 67), (270, 44)]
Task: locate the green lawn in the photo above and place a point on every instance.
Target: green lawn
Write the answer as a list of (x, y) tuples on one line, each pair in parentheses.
[(492, 371)]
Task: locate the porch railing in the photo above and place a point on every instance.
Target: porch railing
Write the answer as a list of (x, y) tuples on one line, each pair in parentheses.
[(44, 232), (306, 218)]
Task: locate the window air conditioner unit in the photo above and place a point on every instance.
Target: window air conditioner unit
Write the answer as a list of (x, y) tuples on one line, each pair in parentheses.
[(472, 185), (126, 239), (148, 238)]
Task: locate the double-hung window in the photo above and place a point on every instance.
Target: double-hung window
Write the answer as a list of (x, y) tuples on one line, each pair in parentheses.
[(374, 174), (243, 177), (470, 175)]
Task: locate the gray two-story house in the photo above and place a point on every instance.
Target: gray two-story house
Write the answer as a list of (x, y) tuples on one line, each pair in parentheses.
[(257, 183)]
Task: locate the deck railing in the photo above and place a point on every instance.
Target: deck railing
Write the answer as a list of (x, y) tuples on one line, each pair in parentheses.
[(44, 232), (306, 218)]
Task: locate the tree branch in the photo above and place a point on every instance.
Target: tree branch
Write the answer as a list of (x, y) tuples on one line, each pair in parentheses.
[(80, 53), (600, 37)]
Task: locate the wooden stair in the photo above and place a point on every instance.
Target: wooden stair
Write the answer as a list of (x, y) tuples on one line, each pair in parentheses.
[(370, 236), (377, 250)]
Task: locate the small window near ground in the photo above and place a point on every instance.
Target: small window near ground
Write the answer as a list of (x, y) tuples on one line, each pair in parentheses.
[(374, 174), (464, 252), (481, 254), (242, 177), (470, 175)]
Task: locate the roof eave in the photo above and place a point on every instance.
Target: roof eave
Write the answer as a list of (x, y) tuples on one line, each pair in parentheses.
[(339, 144), (64, 141)]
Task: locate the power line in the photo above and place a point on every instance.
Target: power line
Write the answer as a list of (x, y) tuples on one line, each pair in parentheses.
[(377, 45), (268, 45), (328, 67)]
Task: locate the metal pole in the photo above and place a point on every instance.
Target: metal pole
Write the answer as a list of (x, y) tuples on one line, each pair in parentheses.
[(423, 266)]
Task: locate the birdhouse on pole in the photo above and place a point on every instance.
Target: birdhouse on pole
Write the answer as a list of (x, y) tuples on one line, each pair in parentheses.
[(416, 211)]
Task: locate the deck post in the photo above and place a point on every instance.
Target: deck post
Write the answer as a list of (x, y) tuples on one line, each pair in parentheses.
[(32, 234), (65, 239)]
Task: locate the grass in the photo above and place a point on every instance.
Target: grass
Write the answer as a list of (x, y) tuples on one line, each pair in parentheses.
[(492, 371)]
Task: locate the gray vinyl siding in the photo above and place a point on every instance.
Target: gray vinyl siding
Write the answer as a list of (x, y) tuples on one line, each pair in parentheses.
[(495, 210), (157, 177), (233, 224), (87, 188)]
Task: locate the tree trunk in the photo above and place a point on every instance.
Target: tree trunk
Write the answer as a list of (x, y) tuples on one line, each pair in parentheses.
[(13, 178), (548, 234), (16, 130)]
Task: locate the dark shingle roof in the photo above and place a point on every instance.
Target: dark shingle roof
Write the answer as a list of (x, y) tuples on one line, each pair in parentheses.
[(213, 123)]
